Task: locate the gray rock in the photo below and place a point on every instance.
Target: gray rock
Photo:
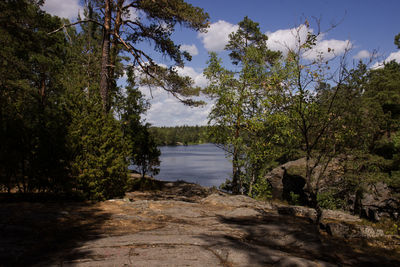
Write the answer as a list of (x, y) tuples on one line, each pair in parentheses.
[(379, 202), (276, 178), (339, 216), (298, 211), (344, 230), (234, 201)]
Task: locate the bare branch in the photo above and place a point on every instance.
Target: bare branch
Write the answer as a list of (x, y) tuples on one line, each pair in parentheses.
[(75, 23)]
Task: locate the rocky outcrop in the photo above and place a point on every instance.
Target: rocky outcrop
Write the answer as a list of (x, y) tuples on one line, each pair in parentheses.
[(282, 183), (379, 202), (180, 224), (347, 231), (375, 203), (336, 223)]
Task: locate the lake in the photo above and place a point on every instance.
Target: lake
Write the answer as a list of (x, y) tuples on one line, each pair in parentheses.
[(203, 164)]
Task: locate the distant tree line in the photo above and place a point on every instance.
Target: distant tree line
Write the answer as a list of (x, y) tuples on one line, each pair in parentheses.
[(181, 135)]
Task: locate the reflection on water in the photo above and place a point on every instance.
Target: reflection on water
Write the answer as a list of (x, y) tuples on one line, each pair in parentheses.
[(202, 164)]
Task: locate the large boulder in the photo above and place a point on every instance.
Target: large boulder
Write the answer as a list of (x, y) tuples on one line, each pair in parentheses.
[(378, 201), (282, 182)]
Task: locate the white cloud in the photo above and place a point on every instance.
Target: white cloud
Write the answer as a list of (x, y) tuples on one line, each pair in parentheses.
[(363, 54), (290, 39), (393, 56), (198, 78), (166, 110), (191, 49), (286, 39), (63, 8), (217, 35), (327, 49)]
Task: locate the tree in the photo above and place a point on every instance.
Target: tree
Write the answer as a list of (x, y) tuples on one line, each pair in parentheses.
[(33, 155), (98, 163), (239, 95), (315, 106), (143, 150), (121, 32)]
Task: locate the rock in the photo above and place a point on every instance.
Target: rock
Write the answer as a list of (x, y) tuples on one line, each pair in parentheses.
[(340, 230), (280, 186), (347, 231), (379, 202), (376, 203), (366, 231), (242, 212), (234, 201), (157, 230), (339, 216), (298, 211)]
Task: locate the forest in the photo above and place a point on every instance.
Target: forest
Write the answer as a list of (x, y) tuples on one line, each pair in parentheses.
[(66, 126), (181, 135), (69, 127)]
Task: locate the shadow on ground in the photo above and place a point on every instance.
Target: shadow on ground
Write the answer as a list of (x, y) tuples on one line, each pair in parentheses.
[(32, 232), (283, 240)]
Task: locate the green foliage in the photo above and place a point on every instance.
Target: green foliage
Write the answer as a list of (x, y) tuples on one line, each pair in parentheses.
[(145, 184), (143, 151), (99, 164), (242, 107), (101, 168), (33, 155), (261, 190), (186, 135), (328, 200), (294, 199), (56, 134)]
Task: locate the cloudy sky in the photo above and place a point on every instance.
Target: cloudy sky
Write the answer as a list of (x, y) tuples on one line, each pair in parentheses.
[(366, 25)]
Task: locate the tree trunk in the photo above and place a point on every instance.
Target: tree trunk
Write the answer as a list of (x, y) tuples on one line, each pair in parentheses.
[(42, 90), (235, 174), (105, 58), (114, 43)]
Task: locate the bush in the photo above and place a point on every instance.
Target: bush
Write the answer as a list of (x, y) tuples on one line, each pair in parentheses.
[(99, 167), (327, 200), (294, 199), (261, 190)]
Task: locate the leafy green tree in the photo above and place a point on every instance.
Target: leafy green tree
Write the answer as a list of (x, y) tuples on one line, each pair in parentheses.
[(33, 155), (382, 87), (143, 150), (240, 94), (146, 153), (317, 108)]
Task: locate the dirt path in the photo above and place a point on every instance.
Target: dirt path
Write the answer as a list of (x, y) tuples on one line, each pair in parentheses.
[(177, 226)]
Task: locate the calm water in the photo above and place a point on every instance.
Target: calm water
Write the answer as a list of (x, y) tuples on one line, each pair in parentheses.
[(202, 164)]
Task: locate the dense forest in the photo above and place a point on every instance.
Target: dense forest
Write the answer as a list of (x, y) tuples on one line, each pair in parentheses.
[(68, 127), (181, 135)]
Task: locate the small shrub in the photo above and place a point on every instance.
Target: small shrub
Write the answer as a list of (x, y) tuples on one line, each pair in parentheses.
[(294, 199), (327, 200), (226, 186), (262, 190)]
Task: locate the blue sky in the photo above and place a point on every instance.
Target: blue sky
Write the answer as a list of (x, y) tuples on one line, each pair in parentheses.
[(366, 24)]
